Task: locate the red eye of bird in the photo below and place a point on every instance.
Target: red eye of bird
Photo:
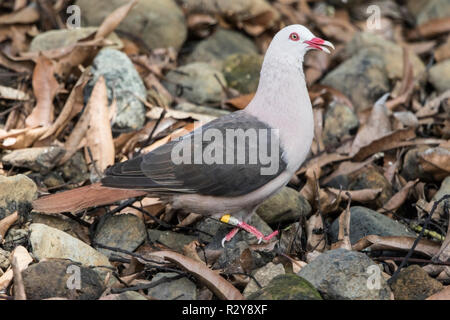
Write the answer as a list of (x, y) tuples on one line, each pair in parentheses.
[(294, 36)]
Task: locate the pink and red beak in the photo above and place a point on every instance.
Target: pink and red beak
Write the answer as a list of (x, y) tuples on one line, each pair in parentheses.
[(320, 44)]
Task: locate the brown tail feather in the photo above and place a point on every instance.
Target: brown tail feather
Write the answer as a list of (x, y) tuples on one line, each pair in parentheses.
[(82, 198)]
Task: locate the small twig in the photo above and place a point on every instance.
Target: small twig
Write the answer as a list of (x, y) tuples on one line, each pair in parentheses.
[(93, 162), (419, 237), (148, 285), (244, 274), (150, 137), (415, 260)]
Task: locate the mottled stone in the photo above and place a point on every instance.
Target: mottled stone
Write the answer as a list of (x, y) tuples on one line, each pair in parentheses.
[(263, 275), (413, 283), (287, 287), (179, 289), (284, 207), (124, 231), (340, 121), (242, 72), (123, 84), (440, 75), (344, 275), (16, 192), (201, 83), (364, 222), (160, 23), (219, 46), (37, 159), (56, 278)]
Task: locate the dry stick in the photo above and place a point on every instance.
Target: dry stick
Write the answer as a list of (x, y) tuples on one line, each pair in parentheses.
[(150, 137), (99, 245), (148, 285), (168, 225), (427, 261), (416, 242), (243, 274)]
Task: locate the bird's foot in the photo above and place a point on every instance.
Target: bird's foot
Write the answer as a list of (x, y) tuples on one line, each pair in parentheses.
[(242, 225)]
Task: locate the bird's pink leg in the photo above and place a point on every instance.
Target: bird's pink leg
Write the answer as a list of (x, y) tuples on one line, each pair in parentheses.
[(242, 225), (258, 234)]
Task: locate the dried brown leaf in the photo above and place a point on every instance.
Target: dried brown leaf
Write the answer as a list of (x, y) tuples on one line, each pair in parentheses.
[(23, 259), (344, 230), (391, 141), (25, 15), (444, 294), (73, 106), (400, 243), (398, 199), (99, 136), (6, 223), (377, 127), (430, 29), (210, 278), (45, 88), (240, 102)]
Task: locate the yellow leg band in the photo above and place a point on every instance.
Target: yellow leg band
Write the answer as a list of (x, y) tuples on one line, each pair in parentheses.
[(225, 218), (230, 220)]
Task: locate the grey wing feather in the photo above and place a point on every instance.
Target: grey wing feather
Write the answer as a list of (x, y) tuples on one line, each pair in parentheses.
[(157, 172)]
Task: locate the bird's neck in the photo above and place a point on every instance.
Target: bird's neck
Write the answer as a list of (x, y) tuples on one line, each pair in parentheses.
[(282, 101)]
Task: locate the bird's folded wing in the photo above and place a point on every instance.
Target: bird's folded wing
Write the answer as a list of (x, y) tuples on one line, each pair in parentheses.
[(157, 172)]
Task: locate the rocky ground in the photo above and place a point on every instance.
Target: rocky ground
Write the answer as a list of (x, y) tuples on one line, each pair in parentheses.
[(348, 220)]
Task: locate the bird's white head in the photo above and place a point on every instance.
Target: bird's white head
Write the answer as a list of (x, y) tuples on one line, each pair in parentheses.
[(291, 43)]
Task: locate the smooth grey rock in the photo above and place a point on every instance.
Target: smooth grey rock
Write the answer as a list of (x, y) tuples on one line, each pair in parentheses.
[(199, 82), (160, 23), (180, 289), (364, 222), (287, 287), (41, 159), (219, 46), (173, 240), (344, 275), (54, 278), (55, 39), (440, 75), (124, 84), (16, 192), (124, 231), (51, 243), (362, 78), (284, 207), (263, 275)]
